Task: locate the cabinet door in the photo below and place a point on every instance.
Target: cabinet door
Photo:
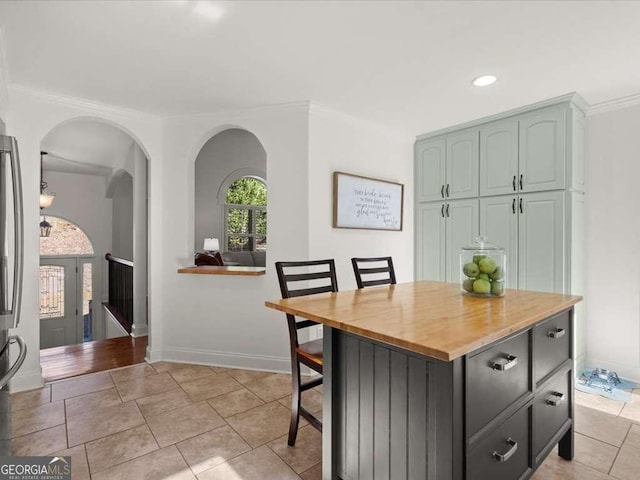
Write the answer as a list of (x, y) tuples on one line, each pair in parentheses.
[(430, 170), (499, 158), (542, 149), (462, 164), (462, 228), (430, 242), (541, 242), (499, 222)]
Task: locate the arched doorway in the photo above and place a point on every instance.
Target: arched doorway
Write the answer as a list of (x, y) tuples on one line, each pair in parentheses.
[(67, 266)]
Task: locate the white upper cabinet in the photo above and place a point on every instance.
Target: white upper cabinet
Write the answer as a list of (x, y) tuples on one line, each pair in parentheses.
[(430, 170), (462, 165), (499, 158), (447, 167), (542, 149)]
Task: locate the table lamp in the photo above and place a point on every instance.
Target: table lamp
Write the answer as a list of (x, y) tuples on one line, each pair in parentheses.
[(211, 245)]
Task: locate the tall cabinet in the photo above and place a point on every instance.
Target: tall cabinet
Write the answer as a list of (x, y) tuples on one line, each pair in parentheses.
[(519, 179)]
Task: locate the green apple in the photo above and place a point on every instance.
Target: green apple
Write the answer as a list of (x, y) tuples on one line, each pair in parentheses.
[(481, 286), (477, 258), (497, 274), (484, 276), (468, 284), (471, 270), (497, 288), (487, 265)]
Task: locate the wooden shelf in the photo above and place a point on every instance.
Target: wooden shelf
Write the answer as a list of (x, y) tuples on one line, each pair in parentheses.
[(225, 270)]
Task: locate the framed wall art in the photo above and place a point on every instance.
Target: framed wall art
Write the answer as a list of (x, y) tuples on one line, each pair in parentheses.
[(369, 203)]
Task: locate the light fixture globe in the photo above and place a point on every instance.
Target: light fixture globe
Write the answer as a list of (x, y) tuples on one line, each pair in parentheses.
[(46, 199)]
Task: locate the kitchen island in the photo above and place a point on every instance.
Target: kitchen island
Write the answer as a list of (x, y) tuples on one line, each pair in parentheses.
[(421, 382)]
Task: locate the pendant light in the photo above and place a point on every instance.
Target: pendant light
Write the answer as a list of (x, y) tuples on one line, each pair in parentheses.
[(45, 228), (46, 199)]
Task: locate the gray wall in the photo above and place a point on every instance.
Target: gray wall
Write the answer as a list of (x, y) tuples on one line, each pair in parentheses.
[(123, 217), (230, 151), (3, 128)]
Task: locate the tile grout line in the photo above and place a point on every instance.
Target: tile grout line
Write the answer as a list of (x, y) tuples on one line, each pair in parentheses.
[(619, 449)]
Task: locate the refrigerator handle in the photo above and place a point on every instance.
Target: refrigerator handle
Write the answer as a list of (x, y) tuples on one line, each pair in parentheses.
[(19, 361), (19, 232)]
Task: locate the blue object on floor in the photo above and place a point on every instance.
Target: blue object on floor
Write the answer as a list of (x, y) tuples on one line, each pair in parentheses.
[(604, 382)]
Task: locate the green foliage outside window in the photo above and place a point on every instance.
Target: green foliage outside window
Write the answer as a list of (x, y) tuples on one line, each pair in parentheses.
[(247, 226)]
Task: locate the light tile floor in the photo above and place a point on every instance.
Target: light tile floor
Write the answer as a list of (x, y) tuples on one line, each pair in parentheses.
[(178, 421)]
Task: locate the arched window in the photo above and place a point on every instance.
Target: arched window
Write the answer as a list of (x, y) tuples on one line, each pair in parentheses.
[(245, 214)]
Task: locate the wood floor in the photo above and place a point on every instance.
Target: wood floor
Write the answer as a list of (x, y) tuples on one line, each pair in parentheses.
[(72, 360)]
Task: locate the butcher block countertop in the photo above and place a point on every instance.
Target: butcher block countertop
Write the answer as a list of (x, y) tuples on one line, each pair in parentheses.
[(430, 318)]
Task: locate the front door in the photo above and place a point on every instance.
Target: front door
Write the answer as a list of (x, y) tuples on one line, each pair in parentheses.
[(59, 317)]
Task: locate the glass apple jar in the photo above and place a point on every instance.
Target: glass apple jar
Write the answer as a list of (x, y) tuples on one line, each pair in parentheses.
[(483, 269)]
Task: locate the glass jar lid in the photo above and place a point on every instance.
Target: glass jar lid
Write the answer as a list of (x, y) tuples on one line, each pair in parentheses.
[(482, 243)]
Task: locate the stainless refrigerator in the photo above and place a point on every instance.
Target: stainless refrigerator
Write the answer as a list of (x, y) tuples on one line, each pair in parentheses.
[(11, 261)]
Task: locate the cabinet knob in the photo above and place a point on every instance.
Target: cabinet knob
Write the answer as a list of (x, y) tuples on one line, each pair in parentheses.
[(511, 361), (557, 333), (503, 457), (555, 399)]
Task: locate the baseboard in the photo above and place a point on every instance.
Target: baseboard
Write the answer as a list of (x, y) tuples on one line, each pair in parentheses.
[(26, 381), (139, 330), (153, 355), (222, 359), (625, 372)]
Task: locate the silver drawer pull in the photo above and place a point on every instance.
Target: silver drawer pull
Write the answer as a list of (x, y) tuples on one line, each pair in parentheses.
[(555, 399), (503, 457), (557, 333), (511, 361)]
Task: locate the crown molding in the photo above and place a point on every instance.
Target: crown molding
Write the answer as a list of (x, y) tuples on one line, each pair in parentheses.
[(573, 98), (288, 107), (84, 104), (615, 104)]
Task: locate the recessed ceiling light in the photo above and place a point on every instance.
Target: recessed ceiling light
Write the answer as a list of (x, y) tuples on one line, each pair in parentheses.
[(484, 80)]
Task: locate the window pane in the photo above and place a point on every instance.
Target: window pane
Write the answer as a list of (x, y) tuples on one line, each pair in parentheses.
[(237, 221), (247, 191), (239, 244), (261, 244), (87, 296), (51, 291), (66, 239), (261, 222)]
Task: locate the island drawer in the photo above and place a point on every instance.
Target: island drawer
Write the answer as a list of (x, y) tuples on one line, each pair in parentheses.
[(497, 377), (552, 344), (504, 453), (551, 409)]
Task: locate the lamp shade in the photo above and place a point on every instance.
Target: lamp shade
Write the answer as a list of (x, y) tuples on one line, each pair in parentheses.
[(46, 199), (211, 245)]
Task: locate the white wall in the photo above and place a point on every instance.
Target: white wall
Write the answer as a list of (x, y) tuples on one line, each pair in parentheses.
[(92, 215), (122, 243), (222, 319), (30, 117), (613, 241), (230, 151), (338, 142)]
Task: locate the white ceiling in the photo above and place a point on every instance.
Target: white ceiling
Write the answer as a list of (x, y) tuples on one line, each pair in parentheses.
[(407, 65), (85, 146)]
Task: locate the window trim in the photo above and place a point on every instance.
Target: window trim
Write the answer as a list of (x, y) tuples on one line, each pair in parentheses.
[(253, 235)]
